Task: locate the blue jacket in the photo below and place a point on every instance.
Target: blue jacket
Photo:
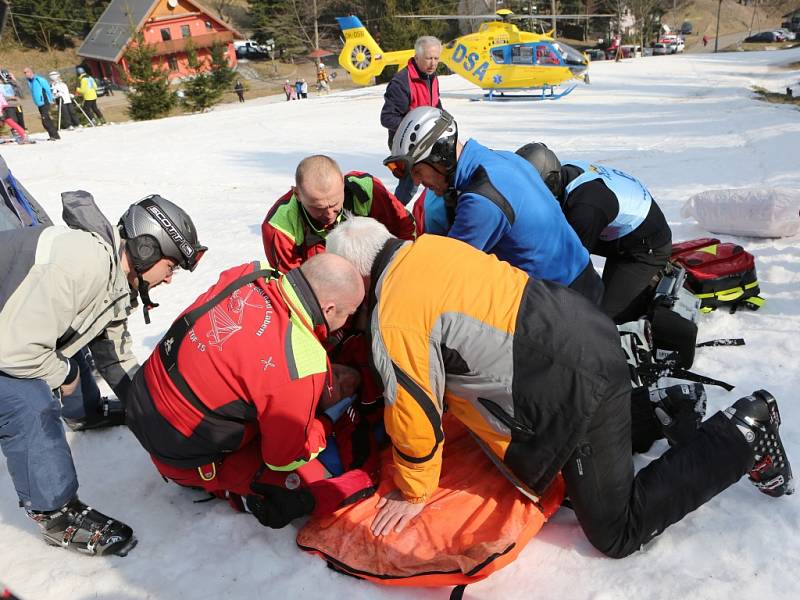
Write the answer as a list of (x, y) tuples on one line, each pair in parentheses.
[(504, 208), (40, 90)]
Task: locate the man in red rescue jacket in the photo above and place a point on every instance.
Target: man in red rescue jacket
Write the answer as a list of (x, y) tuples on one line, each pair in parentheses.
[(227, 402), (297, 224), (416, 85)]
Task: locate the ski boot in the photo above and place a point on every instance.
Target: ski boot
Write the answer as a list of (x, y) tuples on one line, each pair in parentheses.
[(83, 529), (110, 413), (680, 409), (757, 418)]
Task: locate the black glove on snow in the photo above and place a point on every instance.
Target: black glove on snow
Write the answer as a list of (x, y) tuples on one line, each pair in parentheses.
[(276, 507)]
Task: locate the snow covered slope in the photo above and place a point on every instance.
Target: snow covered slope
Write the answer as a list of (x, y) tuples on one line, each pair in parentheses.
[(681, 124)]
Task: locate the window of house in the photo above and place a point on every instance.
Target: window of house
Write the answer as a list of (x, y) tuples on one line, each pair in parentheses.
[(165, 34), (185, 31), (172, 62)]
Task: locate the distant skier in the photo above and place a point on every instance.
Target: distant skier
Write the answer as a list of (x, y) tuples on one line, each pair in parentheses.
[(705, 41), (66, 107), (42, 98), (239, 89), (88, 89), (62, 289), (6, 110), (615, 216)]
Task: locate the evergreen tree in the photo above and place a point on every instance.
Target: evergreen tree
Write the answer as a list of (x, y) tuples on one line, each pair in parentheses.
[(46, 24), (200, 91), (221, 73), (149, 96)]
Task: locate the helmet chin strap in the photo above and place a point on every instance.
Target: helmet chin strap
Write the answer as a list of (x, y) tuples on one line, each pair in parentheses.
[(144, 294)]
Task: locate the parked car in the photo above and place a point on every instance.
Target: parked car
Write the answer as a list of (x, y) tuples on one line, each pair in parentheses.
[(788, 36), (252, 53), (764, 36), (660, 49), (596, 54), (686, 28)]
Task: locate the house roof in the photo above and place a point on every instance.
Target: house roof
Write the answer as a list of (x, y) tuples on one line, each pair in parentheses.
[(114, 30)]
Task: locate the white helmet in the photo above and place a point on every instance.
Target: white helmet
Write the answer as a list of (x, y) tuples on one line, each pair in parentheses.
[(54, 75), (426, 134)]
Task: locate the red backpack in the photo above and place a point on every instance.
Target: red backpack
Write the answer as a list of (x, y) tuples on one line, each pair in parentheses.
[(719, 273)]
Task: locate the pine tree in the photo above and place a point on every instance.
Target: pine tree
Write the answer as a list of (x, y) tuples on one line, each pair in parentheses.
[(150, 96), (221, 73), (200, 91)]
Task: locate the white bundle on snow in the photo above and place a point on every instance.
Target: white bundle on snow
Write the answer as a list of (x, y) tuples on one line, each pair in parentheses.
[(754, 212)]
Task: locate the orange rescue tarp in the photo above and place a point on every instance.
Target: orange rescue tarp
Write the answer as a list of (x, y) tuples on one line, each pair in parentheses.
[(475, 523)]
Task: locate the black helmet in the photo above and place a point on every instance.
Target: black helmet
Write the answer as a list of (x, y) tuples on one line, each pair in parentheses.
[(155, 228), (546, 163)]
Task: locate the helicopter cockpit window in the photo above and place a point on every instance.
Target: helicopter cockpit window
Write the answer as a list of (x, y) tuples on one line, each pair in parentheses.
[(546, 55), (569, 54), (499, 55), (522, 55)]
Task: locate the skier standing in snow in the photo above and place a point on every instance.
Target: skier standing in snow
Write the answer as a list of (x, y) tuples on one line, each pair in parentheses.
[(499, 203), (547, 391), (87, 88), (297, 224), (415, 85), (64, 103), (62, 289), (42, 98), (227, 400), (615, 216)]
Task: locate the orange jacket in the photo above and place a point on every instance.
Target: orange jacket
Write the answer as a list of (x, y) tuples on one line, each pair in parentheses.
[(522, 363)]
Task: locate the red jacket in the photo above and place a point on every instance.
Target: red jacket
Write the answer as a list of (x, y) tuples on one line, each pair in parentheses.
[(252, 366), (289, 239)]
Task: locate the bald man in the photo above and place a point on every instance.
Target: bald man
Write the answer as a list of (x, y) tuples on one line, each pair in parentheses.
[(298, 223), (227, 402)]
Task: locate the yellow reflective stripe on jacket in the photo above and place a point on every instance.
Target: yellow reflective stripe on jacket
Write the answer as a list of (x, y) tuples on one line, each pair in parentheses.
[(304, 349), (293, 466)]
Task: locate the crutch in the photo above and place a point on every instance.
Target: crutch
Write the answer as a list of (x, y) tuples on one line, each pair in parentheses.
[(84, 113)]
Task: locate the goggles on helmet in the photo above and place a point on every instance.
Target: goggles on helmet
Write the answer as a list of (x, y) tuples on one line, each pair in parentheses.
[(428, 150)]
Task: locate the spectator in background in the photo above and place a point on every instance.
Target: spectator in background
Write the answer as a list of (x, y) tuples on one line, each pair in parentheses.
[(416, 85), (322, 79), (14, 109), (66, 108), (239, 89), (42, 98), (287, 89), (88, 89), (298, 88), (107, 84), (304, 88)]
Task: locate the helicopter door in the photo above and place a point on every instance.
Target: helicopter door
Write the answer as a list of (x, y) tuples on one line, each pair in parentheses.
[(546, 55)]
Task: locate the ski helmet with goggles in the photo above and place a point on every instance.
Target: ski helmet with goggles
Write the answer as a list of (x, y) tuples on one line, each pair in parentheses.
[(546, 163), (426, 134), (155, 228)]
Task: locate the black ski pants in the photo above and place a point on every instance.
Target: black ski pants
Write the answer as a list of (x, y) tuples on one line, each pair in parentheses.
[(68, 116), (47, 123), (618, 510), (627, 277), (90, 107)]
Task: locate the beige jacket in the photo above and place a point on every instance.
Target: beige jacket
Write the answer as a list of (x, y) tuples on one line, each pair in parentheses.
[(64, 289)]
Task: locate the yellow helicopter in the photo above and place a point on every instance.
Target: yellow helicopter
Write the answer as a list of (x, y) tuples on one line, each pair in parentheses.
[(498, 57)]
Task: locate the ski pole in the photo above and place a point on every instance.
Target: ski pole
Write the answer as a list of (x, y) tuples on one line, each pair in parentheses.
[(84, 113), (60, 104)]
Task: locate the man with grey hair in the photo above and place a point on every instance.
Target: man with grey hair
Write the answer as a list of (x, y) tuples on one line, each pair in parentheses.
[(535, 372), (416, 85)]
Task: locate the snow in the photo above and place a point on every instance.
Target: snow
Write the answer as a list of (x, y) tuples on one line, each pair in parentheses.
[(682, 124)]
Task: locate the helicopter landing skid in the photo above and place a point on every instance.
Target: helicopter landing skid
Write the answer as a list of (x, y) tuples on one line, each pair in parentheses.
[(495, 96)]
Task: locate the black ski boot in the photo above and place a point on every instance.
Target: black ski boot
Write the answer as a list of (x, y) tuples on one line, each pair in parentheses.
[(83, 529), (110, 413), (680, 409), (757, 418)]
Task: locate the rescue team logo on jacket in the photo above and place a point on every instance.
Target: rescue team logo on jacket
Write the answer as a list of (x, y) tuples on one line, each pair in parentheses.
[(226, 319)]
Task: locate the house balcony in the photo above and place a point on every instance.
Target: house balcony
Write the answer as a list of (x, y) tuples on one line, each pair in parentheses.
[(199, 41)]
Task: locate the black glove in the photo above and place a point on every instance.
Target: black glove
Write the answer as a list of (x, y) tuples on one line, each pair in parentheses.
[(276, 507)]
